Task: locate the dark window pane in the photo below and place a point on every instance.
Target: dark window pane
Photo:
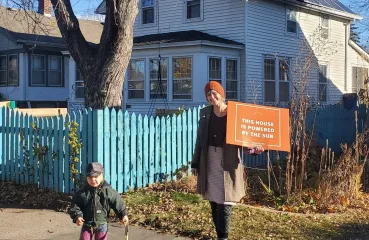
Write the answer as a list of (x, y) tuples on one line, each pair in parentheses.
[(269, 69), (38, 62), (55, 78), (13, 62), (231, 86), (269, 91), (215, 67), (148, 15), (136, 85), (193, 9), (55, 63), (136, 78), (231, 95), (2, 78), (291, 27), (284, 74), (284, 91), (13, 77), (158, 87), (2, 62), (135, 94), (38, 77), (323, 73)]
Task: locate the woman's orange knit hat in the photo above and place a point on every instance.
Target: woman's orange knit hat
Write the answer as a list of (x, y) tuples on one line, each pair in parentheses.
[(213, 85)]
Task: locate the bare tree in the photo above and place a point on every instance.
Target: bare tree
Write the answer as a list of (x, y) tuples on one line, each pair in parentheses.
[(103, 67)]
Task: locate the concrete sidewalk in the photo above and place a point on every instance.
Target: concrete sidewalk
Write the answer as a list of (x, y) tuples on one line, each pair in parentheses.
[(116, 232), (18, 222)]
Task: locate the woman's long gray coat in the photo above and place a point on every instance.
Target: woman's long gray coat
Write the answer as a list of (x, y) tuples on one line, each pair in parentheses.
[(233, 168)]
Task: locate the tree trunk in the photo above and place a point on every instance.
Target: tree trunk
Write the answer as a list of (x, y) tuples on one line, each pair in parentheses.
[(103, 66)]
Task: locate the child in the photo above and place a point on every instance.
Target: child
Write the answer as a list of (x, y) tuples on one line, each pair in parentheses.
[(91, 205)]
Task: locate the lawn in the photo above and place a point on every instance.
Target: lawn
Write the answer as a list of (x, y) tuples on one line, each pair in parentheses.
[(186, 214)]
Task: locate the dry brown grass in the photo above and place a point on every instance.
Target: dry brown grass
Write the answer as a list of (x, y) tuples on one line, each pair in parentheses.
[(340, 179)]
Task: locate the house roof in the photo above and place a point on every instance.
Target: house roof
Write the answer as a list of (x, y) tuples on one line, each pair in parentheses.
[(330, 7), (183, 36), (31, 27), (334, 4)]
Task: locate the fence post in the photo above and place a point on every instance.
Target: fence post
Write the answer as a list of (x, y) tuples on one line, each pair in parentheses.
[(2, 148), (98, 139)]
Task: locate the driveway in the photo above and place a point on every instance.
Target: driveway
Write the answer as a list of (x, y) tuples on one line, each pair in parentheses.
[(18, 222)]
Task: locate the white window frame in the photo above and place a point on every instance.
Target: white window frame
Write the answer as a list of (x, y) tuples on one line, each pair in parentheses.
[(144, 81), (220, 80), (5, 70), (200, 18), (167, 79), (44, 70), (327, 28), (61, 71), (327, 83), (142, 9), (173, 79), (237, 77), (16, 69), (276, 78), (297, 21), (78, 81)]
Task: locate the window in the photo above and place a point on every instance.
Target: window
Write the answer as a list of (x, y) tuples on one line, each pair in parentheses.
[(231, 79), (55, 71), (46, 70), (80, 85), (193, 9), (13, 70), (323, 83), (182, 78), (148, 11), (9, 70), (291, 21), (215, 69), (325, 27), (3, 71), (359, 76), (276, 80), (284, 81), (158, 89), (136, 79), (38, 70)]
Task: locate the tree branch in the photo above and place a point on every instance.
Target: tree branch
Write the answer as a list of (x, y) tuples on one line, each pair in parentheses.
[(70, 30)]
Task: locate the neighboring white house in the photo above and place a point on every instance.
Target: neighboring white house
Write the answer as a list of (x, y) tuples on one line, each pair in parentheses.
[(251, 47), (35, 67)]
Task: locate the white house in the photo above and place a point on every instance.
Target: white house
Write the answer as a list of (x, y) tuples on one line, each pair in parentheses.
[(35, 67), (252, 47)]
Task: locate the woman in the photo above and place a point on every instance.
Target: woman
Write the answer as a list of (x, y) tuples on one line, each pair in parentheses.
[(217, 164)]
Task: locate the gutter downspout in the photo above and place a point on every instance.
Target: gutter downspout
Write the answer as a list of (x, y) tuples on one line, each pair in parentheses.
[(346, 53)]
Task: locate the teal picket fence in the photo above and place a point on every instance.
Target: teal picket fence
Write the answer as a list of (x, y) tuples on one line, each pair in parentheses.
[(135, 150)]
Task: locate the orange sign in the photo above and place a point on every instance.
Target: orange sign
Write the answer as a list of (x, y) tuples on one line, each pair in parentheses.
[(251, 125)]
